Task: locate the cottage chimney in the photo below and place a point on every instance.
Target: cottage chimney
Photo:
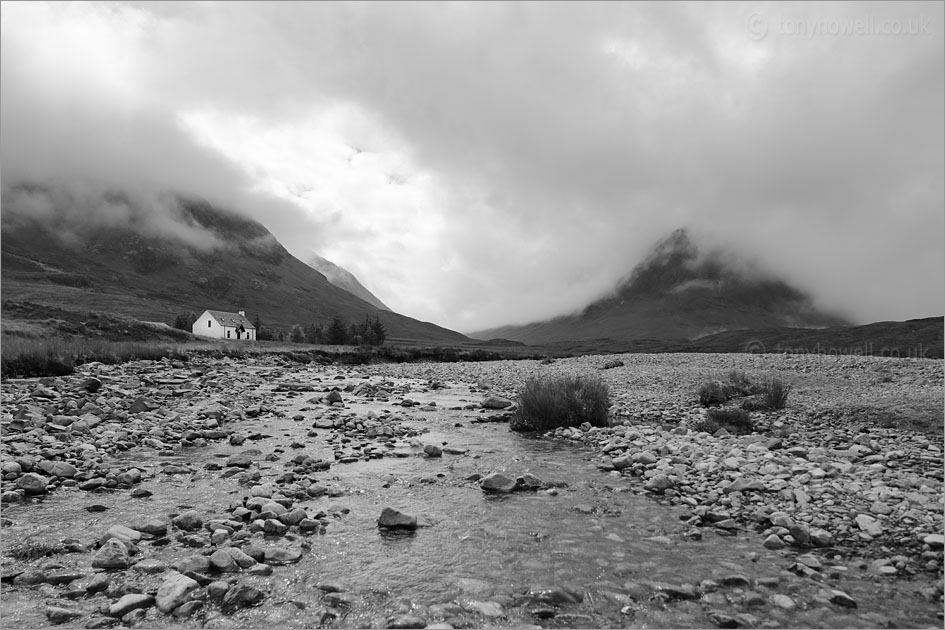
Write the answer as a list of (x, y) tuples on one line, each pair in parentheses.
[(242, 313)]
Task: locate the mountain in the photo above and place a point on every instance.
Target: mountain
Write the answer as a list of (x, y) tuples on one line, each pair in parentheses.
[(344, 279), (679, 292), (152, 257)]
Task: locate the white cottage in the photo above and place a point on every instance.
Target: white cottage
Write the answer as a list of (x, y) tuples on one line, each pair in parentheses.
[(223, 325)]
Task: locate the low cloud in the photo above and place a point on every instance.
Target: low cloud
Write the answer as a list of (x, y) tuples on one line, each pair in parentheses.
[(479, 165)]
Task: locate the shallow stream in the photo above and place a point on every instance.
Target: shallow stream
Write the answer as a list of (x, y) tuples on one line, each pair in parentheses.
[(475, 555)]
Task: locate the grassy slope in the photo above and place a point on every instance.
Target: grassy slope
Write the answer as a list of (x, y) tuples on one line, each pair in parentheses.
[(152, 279)]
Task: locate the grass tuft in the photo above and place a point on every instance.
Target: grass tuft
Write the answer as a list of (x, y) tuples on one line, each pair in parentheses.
[(561, 401), (774, 393)]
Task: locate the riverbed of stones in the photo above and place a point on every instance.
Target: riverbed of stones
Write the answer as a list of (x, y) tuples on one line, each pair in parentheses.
[(827, 490)]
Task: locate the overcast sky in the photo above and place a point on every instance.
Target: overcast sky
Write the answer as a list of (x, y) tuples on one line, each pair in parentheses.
[(492, 163)]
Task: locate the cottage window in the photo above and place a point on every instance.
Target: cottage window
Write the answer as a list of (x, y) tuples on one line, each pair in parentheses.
[(209, 323), (228, 334)]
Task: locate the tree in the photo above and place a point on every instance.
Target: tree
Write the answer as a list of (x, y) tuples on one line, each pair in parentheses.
[(315, 333), (379, 332), (260, 333), (185, 321), (297, 336), (337, 333)]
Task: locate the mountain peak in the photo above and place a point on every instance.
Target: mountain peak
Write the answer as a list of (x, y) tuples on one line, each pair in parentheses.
[(344, 279), (680, 291)]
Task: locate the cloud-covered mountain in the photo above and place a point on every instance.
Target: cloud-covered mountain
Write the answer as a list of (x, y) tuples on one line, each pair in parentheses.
[(151, 256), (344, 279), (680, 292)]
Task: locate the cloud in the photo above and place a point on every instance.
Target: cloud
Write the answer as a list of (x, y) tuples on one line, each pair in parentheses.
[(485, 164)]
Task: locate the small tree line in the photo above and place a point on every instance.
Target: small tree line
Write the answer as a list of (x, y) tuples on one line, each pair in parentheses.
[(338, 332)]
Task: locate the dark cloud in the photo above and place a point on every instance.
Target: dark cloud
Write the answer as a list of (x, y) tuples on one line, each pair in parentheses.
[(484, 164)]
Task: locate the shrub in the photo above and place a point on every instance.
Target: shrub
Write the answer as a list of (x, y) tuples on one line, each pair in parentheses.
[(561, 401), (732, 419), (739, 384), (713, 393), (774, 393), (609, 365)]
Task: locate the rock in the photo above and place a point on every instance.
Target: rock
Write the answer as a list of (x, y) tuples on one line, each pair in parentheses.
[(242, 595), (659, 484), (221, 561), (644, 457), (773, 542), (187, 609), (112, 555), (217, 589), (195, 564), (243, 560), (432, 450), (821, 537), (783, 601), (555, 596), (781, 519), (129, 477), (529, 481), (32, 483), (58, 614), (295, 517), (744, 485), (63, 469), (495, 402), (91, 385), (800, 532), (174, 591), (841, 599), (395, 519), (334, 396), (486, 609), (406, 621), (122, 533), (188, 521), (129, 602), (278, 555), (497, 483), (935, 541), (141, 404), (152, 526), (868, 524)]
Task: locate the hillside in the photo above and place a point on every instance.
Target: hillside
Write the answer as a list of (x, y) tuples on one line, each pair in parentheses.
[(117, 254), (344, 279), (679, 292)]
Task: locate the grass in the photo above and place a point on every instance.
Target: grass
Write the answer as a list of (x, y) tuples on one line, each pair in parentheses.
[(24, 357), (547, 403), (774, 393)]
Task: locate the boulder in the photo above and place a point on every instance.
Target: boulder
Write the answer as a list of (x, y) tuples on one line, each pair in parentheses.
[(112, 555), (497, 483), (495, 402), (130, 602), (32, 483), (175, 591), (188, 521), (395, 519)]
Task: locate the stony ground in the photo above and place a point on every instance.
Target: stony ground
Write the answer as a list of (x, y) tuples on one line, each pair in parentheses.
[(851, 469)]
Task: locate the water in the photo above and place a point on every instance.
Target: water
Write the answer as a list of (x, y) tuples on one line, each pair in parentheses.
[(595, 537)]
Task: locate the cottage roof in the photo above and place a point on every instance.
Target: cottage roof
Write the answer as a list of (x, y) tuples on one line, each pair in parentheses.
[(231, 319)]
